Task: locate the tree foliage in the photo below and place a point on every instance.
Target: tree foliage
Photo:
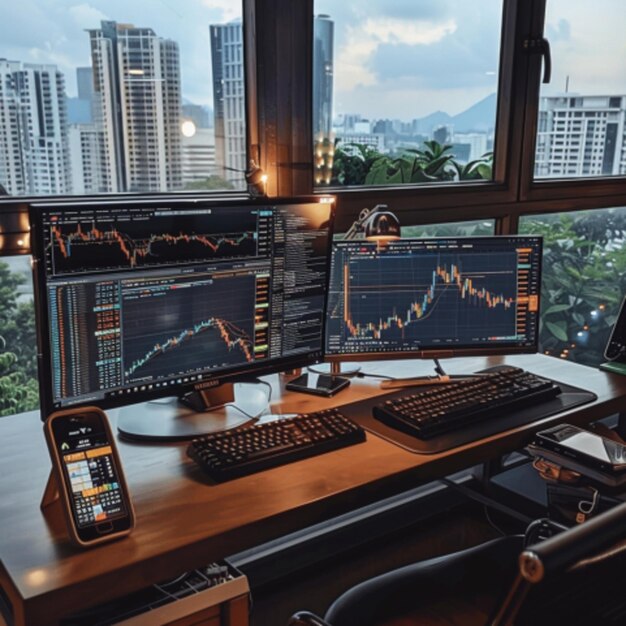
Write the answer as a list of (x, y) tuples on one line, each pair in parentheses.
[(18, 347), (584, 280)]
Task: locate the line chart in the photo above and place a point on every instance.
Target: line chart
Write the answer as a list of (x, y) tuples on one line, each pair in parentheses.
[(195, 326), (126, 244), (407, 300)]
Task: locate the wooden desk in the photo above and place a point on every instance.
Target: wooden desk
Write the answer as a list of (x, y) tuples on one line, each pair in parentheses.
[(184, 520)]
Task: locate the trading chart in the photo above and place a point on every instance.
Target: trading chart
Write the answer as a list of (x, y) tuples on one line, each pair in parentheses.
[(108, 244), (192, 324), (409, 296)]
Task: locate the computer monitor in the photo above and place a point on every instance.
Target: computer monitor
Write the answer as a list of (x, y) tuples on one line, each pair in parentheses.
[(433, 297), (142, 299)]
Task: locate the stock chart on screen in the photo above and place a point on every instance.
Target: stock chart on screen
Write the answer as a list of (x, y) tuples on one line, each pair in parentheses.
[(141, 299), (412, 295)]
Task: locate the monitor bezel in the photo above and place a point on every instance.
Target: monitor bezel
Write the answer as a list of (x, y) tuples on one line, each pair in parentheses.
[(440, 353), (240, 373)]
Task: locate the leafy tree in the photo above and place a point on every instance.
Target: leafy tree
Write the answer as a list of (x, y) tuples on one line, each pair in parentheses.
[(583, 281), (18, 356)]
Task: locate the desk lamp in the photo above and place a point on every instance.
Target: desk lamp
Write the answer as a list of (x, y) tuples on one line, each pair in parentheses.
[(377, 224)]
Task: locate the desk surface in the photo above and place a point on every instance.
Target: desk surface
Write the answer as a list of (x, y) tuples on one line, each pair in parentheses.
[(184, 520)]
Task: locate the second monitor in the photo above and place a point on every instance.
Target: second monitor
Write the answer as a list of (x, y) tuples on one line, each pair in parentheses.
[(433, 298)]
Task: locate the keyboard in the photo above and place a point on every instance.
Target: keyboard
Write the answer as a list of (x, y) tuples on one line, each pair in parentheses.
[(432, 412), (250, 449)]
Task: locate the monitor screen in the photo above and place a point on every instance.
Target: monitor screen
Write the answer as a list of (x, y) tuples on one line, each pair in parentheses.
[(433, 297), (142, 299)]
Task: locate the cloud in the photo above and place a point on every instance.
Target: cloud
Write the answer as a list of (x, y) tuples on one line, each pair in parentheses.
[(561, 31), (229, 9), (354, 64), (86, 16), (412, 33), (410, 9)]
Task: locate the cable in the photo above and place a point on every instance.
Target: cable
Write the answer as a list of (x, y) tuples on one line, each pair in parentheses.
[(368, 375), (251, 417)]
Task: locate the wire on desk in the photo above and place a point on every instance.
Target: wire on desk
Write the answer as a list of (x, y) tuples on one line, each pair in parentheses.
[(368, 375), (257, 416)]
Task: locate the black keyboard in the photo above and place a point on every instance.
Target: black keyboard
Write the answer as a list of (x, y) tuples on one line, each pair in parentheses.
[(453, 406), (254, 448)]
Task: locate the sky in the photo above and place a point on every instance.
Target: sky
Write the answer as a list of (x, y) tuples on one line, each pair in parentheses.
[(408, 58), (393, 58), (53, 31)]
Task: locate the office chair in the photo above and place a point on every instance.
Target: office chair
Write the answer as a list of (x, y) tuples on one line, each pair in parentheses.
[(574, 577)]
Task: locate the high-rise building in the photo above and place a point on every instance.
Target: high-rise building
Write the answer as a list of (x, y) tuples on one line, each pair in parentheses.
[(198, 156), (229, 108), (80, 109), (89, 174), (323, 78), (581, 136), (34, 154), (137, 105)]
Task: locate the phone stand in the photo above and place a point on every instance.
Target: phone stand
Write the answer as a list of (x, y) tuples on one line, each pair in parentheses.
[(50, 493)]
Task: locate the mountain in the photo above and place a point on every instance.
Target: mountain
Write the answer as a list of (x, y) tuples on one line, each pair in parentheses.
[(425, 125), (479, 117)]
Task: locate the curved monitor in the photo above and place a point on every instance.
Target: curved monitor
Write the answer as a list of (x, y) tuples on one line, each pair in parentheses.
[(433, 298), (148, 298)]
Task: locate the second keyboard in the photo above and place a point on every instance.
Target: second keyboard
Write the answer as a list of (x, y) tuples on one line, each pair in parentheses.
[(444, 408), (250, 449)]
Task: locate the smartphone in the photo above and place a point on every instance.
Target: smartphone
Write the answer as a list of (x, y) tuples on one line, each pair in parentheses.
[(89, 475), (585, 447), (318, 384), (616, 346)]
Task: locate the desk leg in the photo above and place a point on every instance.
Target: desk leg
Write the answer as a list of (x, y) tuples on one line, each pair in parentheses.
[(487, 470)]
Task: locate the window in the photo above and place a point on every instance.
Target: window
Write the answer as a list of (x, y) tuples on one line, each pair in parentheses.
[(18, 358), (584, 279), (473, 228), (82, 64), (404, 93), (589, 82)]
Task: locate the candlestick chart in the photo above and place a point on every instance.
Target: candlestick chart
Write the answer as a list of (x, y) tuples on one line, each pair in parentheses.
[(192, 324), (99, 244), (407, 299)]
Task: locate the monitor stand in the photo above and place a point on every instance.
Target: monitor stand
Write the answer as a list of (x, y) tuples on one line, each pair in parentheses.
[(195, 414)]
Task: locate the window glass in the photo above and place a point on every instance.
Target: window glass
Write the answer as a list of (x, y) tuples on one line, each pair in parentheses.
[(583, 281), (404, 92), (581, 131), (18, 344), (452, 229), (113, 97)]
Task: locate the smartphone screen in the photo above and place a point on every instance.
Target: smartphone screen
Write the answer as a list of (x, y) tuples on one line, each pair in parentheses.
[(95, 490), (587, 443)]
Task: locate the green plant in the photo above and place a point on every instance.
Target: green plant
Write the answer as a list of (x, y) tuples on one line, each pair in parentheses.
[(357, 164), (18, 347), (583, 281)]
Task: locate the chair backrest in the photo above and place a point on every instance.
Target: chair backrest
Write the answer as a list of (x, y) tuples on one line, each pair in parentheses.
[(575, 577)]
